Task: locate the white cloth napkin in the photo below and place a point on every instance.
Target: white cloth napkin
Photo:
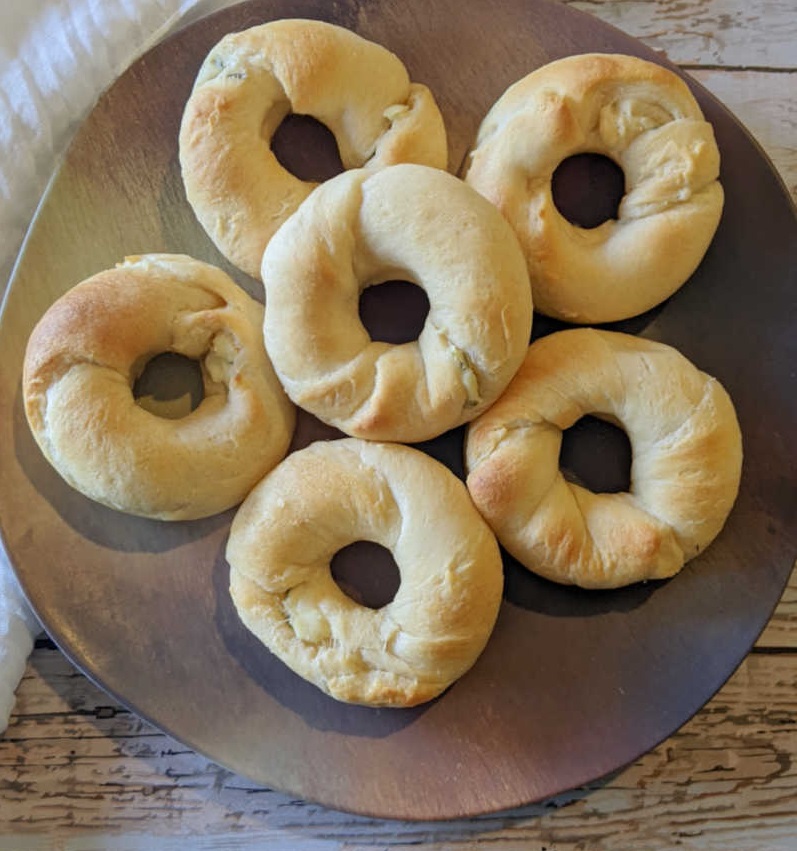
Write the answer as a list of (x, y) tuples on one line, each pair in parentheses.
[(56, 57)]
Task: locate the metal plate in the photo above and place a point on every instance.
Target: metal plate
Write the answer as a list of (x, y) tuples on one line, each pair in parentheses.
[(572, 685)]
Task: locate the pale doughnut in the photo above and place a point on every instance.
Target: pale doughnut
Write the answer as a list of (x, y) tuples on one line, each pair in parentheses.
[(646, 120), (328, 496), (88, 349), (686, 462), (250, 81), (413, 223)]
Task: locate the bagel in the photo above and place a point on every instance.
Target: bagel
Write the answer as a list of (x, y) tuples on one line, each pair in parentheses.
[(645, 119), (88, 349), (250, 81), (329, 495), (686, 462), (414, 223)]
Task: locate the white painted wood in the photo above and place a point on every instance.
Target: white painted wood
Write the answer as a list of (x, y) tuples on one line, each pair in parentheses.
[(74, 762), (766, 103), (781, 631), (729, 33), (78, 773)]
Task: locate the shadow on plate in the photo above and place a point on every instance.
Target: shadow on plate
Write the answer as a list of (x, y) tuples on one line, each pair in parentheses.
[(533, 593), (93, 521), (544, 325)]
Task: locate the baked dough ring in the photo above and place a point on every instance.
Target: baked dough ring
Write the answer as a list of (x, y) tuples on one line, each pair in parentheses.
[(88, 349), (250, 81), (328, 496), (644, 118), (405, 222), (685, 470)]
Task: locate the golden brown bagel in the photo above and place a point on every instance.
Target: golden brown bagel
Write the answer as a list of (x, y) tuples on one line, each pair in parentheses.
[(414, 223), (328, 496), (644, 118), (687, 456), (87, 351), (250, 81)]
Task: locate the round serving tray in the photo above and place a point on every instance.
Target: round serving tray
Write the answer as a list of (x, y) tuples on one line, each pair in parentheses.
[(572, 685)]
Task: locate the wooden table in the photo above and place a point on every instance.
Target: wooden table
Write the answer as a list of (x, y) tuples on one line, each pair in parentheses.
[(81, 772)]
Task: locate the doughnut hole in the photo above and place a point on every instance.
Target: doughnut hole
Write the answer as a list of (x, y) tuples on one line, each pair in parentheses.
[(394, 311), (306, 148), (170, 386), (587, 189), (596, 455), (366, 572)]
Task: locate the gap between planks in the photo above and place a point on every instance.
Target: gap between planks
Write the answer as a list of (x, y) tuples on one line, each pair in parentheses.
[(74, 762), (721, 33)]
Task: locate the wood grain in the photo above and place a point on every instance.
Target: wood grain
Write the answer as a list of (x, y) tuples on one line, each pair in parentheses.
[(753, 48), (724, 33), (743, 53), (75, 759), (76, 766), (766, 103), (599, 678), (781, 631)]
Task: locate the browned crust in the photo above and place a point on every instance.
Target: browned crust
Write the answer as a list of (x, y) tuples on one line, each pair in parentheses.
[(250, 80), (685, 471), (422, 224), (643, 117), (87, 350), (451, 573)]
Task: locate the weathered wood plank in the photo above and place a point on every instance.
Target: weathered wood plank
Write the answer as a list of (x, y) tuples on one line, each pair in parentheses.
[(74, 761), (781, 631), (76, 764), (729, 33), (732, 33), (766, 103)]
